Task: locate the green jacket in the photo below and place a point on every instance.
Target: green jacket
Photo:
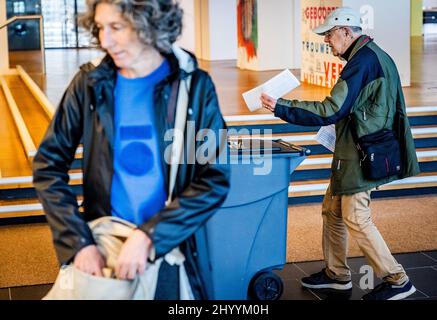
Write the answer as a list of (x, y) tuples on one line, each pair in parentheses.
[(369, 90)]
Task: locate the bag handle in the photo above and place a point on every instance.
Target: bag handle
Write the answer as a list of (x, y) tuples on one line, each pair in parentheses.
[(179, 129)]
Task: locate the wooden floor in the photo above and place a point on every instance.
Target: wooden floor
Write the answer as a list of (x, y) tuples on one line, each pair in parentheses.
[(231, 82)]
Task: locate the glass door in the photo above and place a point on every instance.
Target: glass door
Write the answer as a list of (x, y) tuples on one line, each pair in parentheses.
[(23, 34), (60, 24)]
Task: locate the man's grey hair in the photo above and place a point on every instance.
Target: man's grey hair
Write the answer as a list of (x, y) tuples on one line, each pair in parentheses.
[(158, 23)]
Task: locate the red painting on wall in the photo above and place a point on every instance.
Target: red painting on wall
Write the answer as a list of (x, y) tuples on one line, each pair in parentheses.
[(247, 24)]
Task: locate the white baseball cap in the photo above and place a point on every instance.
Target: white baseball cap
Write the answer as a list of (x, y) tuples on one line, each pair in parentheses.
[(343, 16)]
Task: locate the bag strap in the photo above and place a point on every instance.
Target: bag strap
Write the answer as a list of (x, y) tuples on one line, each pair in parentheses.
[(179, 128), (353, 129), (355, 137)]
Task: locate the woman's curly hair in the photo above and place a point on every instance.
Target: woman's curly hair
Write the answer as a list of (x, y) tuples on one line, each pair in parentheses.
[(158, 23)]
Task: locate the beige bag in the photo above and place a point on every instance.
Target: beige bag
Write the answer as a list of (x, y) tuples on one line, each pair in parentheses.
[(109, 234)]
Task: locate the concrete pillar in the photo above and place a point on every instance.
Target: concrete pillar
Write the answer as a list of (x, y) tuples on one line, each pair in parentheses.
[(4, 52)]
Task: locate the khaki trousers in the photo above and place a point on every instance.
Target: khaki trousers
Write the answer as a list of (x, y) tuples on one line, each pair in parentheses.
[(351, 213)]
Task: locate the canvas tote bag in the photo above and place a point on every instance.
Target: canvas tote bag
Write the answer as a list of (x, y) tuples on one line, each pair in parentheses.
[(110, 234)]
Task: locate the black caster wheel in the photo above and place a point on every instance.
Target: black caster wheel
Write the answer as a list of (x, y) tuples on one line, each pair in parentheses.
[(266, 286)]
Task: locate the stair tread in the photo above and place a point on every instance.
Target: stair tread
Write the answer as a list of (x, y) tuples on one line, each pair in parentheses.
[(323, 161), (268, 118), (309, 138), (313, 187)]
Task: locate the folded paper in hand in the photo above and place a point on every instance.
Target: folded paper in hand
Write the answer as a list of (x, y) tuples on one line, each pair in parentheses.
[(276, 87), (326, 137)]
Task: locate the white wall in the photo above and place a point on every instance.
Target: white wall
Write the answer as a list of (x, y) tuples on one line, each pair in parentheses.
[(297, 37), (223, 29), (390, 28), (210, 28), (275, 34), (430, 3), (4, 52), (188, 37)]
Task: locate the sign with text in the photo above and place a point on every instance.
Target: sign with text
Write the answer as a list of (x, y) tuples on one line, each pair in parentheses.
[(319, 66)]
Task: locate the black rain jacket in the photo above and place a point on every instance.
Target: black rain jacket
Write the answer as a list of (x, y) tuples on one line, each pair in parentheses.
[(86, 114)]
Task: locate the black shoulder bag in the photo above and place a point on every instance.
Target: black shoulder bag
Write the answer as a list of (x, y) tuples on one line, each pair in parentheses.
[(379, 151)]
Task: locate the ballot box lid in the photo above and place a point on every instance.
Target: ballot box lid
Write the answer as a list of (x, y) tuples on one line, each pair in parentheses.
[(278, 146)]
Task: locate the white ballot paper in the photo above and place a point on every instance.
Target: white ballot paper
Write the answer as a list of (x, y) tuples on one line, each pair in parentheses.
[(276, 87), (326, 137)]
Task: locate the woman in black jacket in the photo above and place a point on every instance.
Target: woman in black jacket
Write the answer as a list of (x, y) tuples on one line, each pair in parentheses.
[(122, 109)]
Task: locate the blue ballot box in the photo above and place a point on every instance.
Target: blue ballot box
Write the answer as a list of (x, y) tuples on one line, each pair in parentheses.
[(246, 238)]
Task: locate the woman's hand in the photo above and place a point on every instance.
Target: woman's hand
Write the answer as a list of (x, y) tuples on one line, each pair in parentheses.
[(133, 255), (90, 260), (268, 102)]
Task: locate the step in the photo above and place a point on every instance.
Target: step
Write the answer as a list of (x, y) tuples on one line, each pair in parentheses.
[(296, 192), (269, 118), (324, 162), (26, 181), (418, 116), (22, 209), (318, 187), (309, 138), (424, 137), (310, 163)]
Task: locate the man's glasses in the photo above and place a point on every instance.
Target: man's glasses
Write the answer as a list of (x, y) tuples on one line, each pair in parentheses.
[(329, 34)]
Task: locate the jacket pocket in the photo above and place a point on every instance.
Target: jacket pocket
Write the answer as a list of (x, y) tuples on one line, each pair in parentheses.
[(371, 118), (346, 174), (375, 110)]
